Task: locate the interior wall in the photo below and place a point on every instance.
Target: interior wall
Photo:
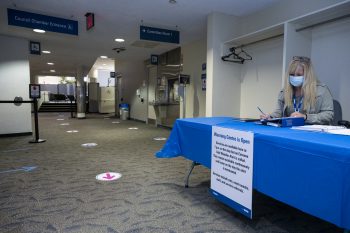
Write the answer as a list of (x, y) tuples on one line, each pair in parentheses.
[(14, 81), (103, 77), (152, 82), (226, 96), (194, 55), (223, 78), (49, 79), (281, 12), (296, 43), (93, 73), (261, 78), (134, 76), (330, 54)]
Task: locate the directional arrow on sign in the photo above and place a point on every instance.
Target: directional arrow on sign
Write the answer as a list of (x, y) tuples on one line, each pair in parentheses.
[(25, 169), (108, 176)]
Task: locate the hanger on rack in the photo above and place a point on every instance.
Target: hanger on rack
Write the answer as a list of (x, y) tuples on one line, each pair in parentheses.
[(238, 55)]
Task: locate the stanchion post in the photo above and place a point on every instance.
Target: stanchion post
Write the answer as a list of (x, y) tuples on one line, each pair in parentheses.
[(36, 123), (71, 108)]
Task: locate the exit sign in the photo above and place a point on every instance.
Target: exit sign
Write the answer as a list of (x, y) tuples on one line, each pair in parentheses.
[(90, 20)]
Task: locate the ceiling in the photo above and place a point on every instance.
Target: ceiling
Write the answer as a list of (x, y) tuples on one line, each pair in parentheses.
[(116, 19)]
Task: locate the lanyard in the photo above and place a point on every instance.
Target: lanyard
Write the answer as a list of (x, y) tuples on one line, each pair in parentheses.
[(297, 109)]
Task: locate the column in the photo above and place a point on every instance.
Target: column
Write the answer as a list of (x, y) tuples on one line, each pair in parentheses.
[(223, 78), (81, 93)]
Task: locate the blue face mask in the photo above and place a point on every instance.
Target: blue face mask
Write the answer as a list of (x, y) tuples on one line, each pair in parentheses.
[(296, 81)]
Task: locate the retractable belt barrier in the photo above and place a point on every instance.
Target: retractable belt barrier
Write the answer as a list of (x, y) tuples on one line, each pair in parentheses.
[(71, 109), (18, 101)]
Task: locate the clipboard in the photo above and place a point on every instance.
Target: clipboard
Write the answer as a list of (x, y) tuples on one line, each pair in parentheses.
[(284, 121)]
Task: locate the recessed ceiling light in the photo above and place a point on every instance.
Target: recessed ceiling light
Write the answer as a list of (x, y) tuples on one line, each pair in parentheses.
[(119, 40), (50, 63), (45, 51), (103, 57), (104, 64), (172, 1), (52, 71), (39, 30)]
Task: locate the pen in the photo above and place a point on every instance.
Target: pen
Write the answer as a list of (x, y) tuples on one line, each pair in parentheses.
[(261, 111)]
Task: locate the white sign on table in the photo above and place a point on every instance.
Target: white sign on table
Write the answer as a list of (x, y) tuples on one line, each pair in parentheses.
[(232, 168)]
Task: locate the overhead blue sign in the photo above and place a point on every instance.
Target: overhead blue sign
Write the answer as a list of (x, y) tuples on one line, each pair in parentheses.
[(44, 22), (159, 34)]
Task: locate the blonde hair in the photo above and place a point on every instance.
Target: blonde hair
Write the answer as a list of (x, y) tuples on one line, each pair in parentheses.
[(308, 89)]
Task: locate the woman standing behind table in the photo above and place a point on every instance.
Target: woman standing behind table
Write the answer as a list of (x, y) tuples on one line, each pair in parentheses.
[(303, 95)]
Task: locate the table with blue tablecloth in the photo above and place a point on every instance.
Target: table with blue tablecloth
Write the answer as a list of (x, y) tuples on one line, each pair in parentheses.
[(307, 170)]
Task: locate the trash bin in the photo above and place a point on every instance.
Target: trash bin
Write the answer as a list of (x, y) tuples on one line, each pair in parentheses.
[(124, 111), (125, 114)]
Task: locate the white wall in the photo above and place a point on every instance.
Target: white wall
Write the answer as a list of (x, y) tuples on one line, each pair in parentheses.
[(281, 12), (223, 78), (330, 53), (52, 79), (14, 81), (152, 82), (134, 75), (103, 76), (49, 79), (194, 55), (261, 77), (93, 72)]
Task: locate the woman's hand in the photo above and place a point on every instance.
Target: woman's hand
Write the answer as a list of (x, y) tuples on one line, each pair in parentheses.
[(298, 114), (265, 116)]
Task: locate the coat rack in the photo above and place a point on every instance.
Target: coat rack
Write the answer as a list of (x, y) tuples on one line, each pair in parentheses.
[(237, 55)]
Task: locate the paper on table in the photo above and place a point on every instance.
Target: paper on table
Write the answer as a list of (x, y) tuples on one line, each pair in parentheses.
[(340, 131), (324, 128)]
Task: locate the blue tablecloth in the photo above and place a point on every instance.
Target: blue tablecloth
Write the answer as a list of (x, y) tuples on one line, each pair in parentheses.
[(307, 170)]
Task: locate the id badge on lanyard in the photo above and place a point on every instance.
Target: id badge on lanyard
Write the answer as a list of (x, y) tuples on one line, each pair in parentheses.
[(297, 108)]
